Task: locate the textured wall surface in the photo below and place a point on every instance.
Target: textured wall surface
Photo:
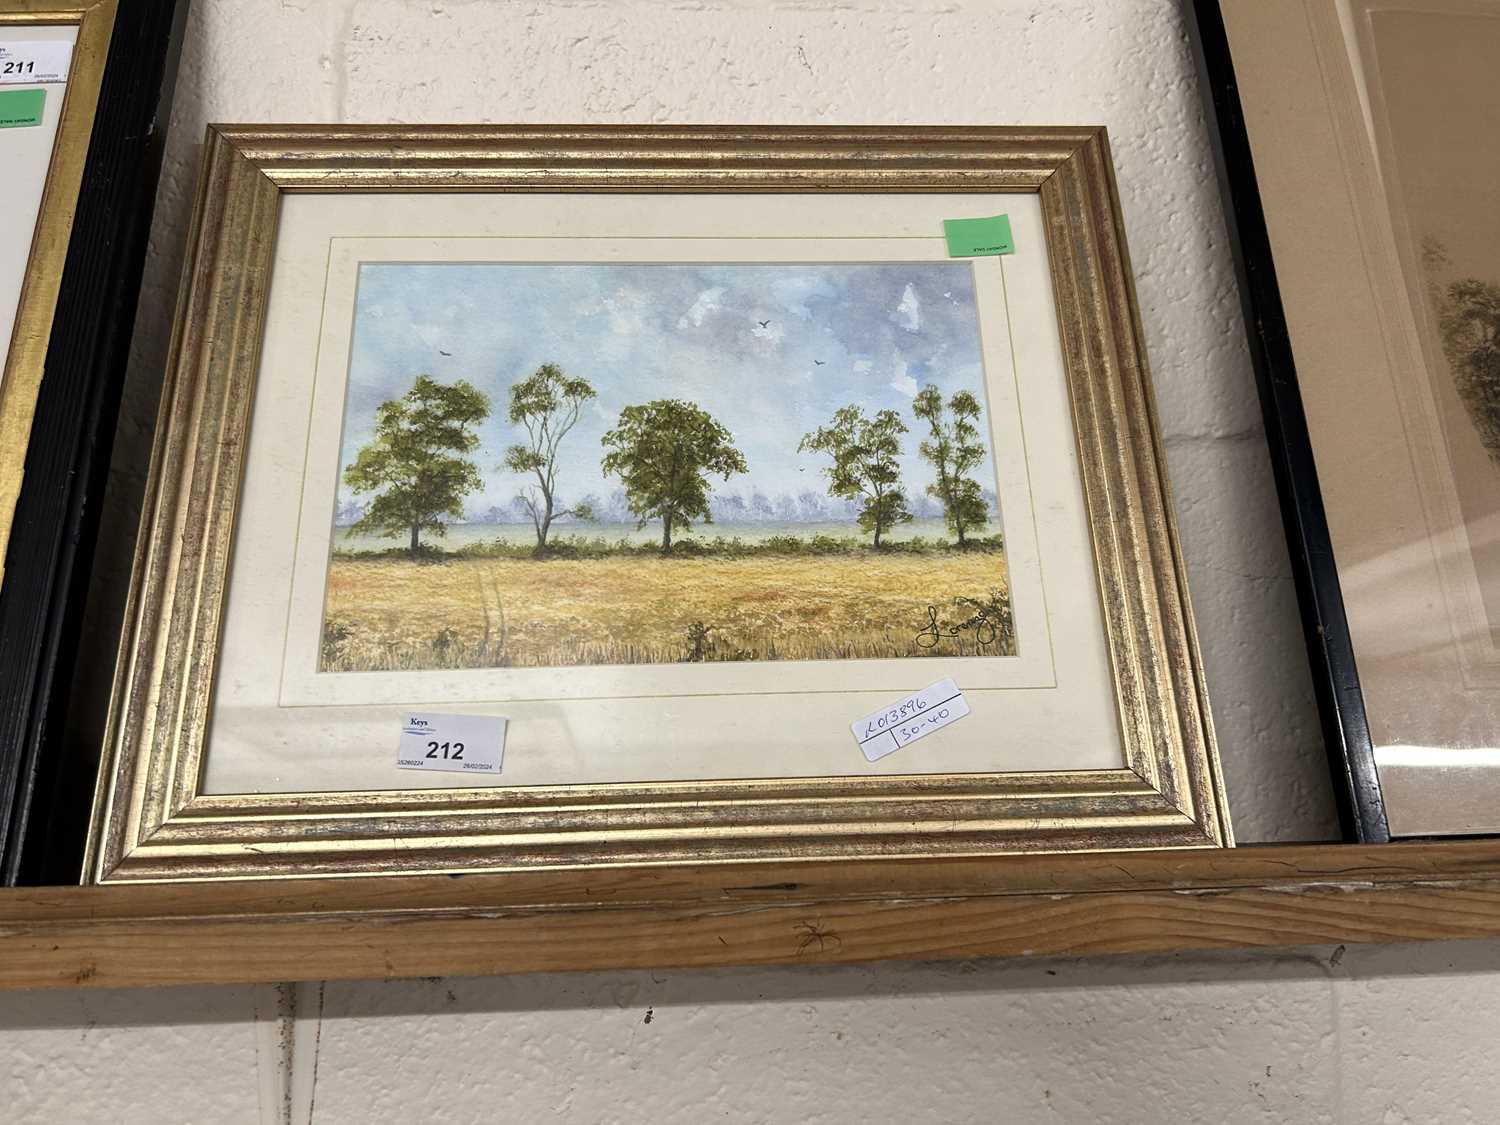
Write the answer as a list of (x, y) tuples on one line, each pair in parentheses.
[(1400, 1035), (1392, 1035)]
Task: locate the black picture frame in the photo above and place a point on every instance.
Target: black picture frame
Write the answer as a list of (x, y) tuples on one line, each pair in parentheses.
[(51, 545), (1346, 733)]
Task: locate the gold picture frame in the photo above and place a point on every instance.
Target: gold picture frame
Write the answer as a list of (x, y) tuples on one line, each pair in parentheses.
[(21, 368), (152, 820)]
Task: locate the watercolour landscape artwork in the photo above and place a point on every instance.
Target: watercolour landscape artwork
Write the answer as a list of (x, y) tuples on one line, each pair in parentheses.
[(566, 464)]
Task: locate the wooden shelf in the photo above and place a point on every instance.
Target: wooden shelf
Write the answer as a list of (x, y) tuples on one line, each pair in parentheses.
[(751, 914)]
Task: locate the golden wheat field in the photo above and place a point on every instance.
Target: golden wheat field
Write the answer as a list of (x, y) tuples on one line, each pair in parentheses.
[(474, 613)]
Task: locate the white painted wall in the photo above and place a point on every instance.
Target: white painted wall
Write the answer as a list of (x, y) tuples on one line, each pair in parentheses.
[(1390, 1035)]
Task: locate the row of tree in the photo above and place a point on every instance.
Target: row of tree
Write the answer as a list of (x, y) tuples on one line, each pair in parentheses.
[(866, 468), (417, 468)]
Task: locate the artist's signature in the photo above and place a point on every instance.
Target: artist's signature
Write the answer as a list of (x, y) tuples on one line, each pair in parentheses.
[(984, 622)]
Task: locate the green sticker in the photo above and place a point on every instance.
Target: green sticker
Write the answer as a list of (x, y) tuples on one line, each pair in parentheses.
[(21, 107), (969, 238)]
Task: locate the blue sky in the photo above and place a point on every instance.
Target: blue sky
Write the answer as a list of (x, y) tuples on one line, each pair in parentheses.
[(638, 332)]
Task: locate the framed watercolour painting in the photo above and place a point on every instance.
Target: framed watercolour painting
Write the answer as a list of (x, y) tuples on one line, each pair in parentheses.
[(1375, 247), (532, 497)]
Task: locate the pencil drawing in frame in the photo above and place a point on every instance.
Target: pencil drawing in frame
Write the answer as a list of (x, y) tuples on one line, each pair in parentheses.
[(680, 449), (1377, 204)]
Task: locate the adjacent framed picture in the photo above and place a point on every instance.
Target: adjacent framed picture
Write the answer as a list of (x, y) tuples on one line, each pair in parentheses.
[(1363, 186), (559, 497), (84, 88)]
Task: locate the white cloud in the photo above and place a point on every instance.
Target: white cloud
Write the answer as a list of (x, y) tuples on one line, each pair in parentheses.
[(862, 366), (625, 307), (793, 292), (709, 302), (908, 313), (433, 335), (901, 381), (627, 311)]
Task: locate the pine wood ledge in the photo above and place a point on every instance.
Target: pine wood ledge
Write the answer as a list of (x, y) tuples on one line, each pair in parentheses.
[(750, 914)]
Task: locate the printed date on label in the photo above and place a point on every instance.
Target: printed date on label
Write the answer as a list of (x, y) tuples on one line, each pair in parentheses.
[(452, 743), (34, 62)]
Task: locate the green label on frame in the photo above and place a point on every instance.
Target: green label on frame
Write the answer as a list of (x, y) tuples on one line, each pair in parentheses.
[(19, 108), (970, 238)]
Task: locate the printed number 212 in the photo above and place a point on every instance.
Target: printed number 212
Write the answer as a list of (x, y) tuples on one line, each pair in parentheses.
[(456, 747)]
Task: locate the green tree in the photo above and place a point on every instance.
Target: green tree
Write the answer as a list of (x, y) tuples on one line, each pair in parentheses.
[(547, 405), (415, 463), (955, 448), (663, 452), (864, 452)]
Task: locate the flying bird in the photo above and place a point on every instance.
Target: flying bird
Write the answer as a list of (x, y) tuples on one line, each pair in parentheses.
[(441, 352), (764, 323), (817, 363)]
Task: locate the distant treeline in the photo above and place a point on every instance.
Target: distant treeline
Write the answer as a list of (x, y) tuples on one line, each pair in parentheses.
[(718, 546), (807, 506)]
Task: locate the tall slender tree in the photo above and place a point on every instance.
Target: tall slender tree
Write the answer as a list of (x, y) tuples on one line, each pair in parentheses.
[(955, 448), (865, 467), (546, 404), (664, 452), (415, 463)]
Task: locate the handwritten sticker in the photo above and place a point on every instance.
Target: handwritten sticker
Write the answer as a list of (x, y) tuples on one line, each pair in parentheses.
[(451, 743), (914, 717), (973, 238), (34, 62), (19, 108)]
